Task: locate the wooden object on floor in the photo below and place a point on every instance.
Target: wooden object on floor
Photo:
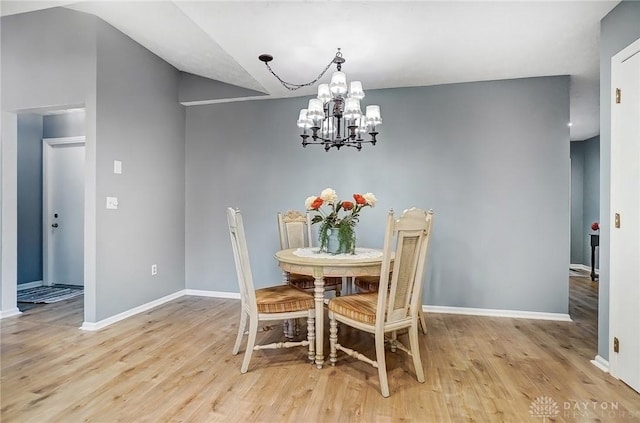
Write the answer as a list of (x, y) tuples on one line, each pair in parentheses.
[(365, 284), (278, 302), (294, 228), (594, 242), (395, 306), (172, 363), (321, 266)]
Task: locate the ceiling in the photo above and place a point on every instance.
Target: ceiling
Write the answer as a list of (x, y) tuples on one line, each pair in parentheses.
[(385, 44)]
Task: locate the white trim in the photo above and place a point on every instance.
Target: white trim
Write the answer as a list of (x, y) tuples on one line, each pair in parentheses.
[(581, 267), (132, 312), (89, 326), (539, 315), (601, 363), (65, 140), (226, 100), (214, 294), (8, 213), (29, 285), (10, 313)]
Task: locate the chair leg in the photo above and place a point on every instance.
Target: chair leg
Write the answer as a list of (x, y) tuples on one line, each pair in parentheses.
[(311, 336), (253, 330), (333, 339), (394, 337), (243, 325), (415, 352), (382, 365), (423, 321), (287, 328)]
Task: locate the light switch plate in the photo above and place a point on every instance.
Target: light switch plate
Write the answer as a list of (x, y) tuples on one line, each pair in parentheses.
[(117, 167), (112, 202)]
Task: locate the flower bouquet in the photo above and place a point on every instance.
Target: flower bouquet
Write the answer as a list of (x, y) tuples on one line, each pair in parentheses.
[(337, 232)]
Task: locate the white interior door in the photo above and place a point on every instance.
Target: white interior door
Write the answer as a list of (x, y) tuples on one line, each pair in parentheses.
[(624, 280), (63, 214)]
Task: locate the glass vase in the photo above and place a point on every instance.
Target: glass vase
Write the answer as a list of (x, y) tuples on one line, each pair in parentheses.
[(340, 242)]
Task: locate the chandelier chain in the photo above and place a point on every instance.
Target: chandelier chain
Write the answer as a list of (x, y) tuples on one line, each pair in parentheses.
[(291, 86)]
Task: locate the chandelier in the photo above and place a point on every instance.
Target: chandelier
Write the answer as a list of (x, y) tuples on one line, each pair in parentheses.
[(334, 118)]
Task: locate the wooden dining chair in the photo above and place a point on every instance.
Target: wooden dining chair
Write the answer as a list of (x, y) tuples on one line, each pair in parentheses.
[(396, 303), (295, 232), (364, 284), (279, 302)]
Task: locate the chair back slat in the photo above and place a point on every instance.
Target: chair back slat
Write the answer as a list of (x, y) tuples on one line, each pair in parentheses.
[(295, 229), (241, 258), (412, 232)]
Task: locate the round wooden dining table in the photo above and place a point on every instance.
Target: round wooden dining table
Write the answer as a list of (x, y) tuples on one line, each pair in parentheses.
[(309, 261)]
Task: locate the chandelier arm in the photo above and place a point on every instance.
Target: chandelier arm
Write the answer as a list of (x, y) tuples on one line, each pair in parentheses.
[(291, 86)]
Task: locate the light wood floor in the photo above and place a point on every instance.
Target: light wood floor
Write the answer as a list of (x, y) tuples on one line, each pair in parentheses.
[(174, 364)]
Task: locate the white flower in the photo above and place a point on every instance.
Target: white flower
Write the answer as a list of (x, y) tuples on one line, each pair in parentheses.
[(371, 199), (309, 201), (329, 195)]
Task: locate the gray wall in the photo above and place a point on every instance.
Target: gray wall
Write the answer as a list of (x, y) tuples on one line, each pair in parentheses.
[(63, 125), (29, 198), (488, 157), (577, 204), (491, 159), (48, 60), (58, 57), (585, 197), (140, 123), (618, 29)]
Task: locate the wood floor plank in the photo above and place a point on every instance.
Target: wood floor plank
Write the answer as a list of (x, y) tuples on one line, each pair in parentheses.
[(174, 364)]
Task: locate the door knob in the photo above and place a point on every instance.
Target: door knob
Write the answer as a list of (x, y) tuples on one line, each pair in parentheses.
[(55, 225)]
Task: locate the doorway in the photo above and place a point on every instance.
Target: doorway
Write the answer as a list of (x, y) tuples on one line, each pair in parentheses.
[(50, 181), (585, 211), (8, 203), (63, 211), (585, 202)]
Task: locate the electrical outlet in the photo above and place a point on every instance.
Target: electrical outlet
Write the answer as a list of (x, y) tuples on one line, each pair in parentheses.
[(154, 269)]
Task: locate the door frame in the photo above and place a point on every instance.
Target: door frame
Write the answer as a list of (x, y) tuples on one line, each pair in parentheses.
[(47, 242), (614, 314)]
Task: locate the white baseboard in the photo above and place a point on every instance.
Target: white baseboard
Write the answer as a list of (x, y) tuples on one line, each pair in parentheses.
[(29, 285), (497, 313), (136, 310), (214, 294), (10, 313), (580, 266), (583, 267), (601, 363), (426, 308)]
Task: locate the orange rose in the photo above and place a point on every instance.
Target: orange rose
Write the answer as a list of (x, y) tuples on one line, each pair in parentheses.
[(317, 203), (347, 205), (359, 199)]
